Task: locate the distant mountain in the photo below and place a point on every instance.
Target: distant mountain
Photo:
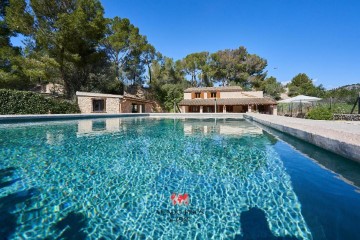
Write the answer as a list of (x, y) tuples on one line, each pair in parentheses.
[(349, 87), (347, 93)]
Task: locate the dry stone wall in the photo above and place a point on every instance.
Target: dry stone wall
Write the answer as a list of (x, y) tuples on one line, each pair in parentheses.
[(347, 117)]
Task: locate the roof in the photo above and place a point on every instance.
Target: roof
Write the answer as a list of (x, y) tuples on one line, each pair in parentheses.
[(135, 98), (104, 95), (91, 94), (222, 89), (227, 101)]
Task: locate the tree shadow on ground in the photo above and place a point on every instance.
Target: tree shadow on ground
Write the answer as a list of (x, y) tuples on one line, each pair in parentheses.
[(254, 226)]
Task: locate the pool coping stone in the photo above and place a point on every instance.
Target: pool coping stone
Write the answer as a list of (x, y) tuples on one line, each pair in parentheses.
[(339, 137)]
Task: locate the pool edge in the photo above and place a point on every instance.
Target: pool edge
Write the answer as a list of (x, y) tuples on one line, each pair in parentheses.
[(342, 148)]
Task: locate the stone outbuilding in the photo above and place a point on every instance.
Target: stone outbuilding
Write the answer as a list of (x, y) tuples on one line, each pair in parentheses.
[(110, 103)]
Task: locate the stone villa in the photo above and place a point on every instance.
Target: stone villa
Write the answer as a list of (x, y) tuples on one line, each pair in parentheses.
[(226, 99)]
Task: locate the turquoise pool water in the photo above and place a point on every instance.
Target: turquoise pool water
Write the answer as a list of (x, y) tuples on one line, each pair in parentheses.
[(113, 179)]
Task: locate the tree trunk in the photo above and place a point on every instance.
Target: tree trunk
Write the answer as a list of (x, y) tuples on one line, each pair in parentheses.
[(149, 69), (67, 84), (117, 67)]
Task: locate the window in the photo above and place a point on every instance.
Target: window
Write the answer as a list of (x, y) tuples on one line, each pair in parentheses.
[(197, 95), (98, 105), (213, 94), (194, 109), (134, 108)]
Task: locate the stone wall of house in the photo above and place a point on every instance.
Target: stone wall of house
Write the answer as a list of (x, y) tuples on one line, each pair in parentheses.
[(149, 108), (236, 94), (112, 105), (247, 94), (126, 106), (85, 104), (347, 117), (187, 95)]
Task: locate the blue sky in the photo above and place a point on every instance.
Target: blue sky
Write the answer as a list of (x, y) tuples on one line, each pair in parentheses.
[(318, 37)]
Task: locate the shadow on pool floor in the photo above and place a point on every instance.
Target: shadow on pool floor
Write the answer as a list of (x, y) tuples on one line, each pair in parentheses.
[(254, 226), (8, 214)]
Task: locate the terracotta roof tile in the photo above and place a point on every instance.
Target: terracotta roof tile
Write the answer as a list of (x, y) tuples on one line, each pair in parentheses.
[(222, 89)]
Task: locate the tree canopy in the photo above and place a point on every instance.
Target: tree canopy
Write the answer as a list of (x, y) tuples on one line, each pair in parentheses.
[(65, 32), (237, 66), (302, 84), (272, 87)]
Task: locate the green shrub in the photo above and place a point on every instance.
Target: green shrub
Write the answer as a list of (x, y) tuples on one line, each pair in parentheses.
[(320, 113), (21, 102)]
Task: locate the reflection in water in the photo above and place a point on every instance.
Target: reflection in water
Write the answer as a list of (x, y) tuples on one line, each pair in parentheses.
[(104, 126), (54, 138), (220, 126), (96, 127)]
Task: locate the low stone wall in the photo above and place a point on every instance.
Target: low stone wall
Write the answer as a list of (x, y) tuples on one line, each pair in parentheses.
[(347, 117)]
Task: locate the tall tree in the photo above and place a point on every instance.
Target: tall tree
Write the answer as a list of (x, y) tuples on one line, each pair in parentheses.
[(237, 66), (148, 55), (68, 31), (302, 84), (133, 68), (168, 81), (194, 65), (272, 87), (122, 43)]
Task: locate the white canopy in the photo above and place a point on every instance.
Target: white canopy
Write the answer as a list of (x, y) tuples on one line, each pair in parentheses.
[(300, 98)]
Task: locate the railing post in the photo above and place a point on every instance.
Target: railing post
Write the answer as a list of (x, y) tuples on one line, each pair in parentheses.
[(330, 103), (215, 105)]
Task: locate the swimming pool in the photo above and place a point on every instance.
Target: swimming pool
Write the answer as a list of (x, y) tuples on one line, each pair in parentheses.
[(125, 178)]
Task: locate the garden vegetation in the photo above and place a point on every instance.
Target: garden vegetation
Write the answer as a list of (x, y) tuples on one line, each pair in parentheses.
[(71, 43)]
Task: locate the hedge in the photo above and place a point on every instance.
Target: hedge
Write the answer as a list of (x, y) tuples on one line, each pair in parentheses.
[(21, 102), (320, 113)]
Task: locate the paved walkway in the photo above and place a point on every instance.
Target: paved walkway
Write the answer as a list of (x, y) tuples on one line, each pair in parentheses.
[(341, 137)]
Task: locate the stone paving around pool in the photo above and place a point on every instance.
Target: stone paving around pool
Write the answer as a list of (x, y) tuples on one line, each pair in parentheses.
[(340, 137)]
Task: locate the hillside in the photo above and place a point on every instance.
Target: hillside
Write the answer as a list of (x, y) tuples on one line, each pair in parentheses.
[(350, 87)]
